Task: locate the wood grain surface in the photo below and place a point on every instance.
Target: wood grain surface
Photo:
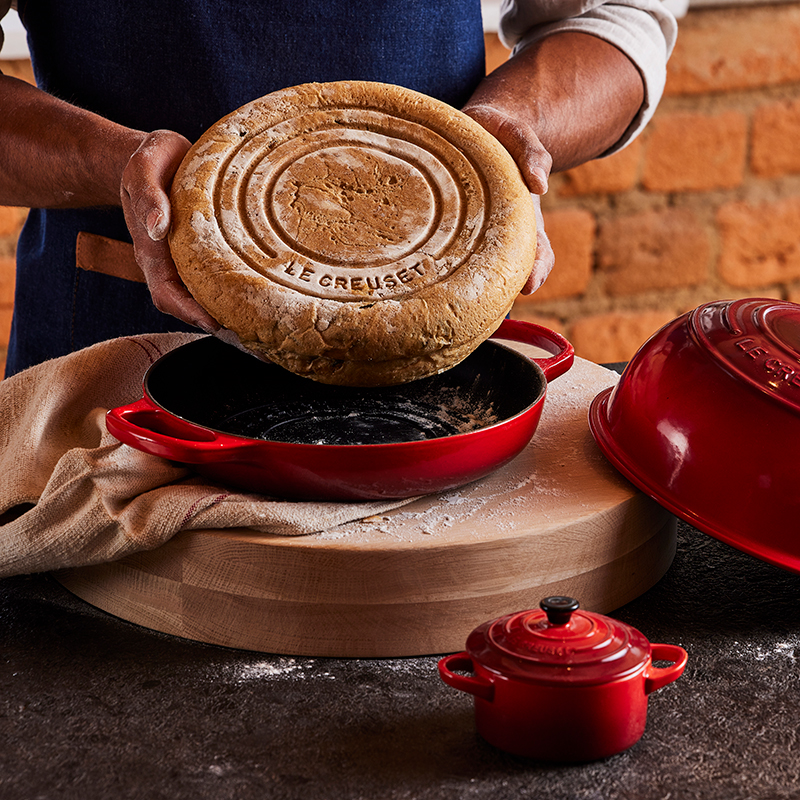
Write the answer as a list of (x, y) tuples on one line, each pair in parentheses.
[(557, 520)]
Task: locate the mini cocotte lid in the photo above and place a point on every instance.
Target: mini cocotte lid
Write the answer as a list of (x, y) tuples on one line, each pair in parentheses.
[(559, 644)]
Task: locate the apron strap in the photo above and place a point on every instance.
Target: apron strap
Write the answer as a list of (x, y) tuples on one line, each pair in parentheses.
[(96, 253)]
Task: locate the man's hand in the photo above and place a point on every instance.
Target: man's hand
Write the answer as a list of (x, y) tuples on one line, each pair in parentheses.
[(558, 103), (56, 155), (144, 193), (534, 162), (545, 259)]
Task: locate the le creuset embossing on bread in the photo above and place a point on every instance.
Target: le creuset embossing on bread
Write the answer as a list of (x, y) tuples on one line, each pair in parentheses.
[(559, 683)]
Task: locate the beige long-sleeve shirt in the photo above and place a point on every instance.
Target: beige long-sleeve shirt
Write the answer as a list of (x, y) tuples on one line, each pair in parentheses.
[(644, 30)]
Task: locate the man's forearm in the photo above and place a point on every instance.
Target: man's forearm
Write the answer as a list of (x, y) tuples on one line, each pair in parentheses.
[(54, 155), (577, 92)]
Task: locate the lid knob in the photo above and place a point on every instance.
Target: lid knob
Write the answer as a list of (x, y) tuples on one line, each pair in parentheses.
[(559, 609)]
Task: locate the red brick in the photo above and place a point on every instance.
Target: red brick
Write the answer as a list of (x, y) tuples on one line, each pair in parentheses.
[(496, 51), (19, 68), (775, 148), (727, 49), (5, 325), (571, 233), (527, 313), (617, 173), (11, 220), (653, 250), (608, 338), (695, 152), (760, 244), (7, 277)]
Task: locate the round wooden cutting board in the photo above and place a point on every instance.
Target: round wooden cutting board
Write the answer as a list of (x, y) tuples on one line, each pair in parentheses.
[(557, 520)]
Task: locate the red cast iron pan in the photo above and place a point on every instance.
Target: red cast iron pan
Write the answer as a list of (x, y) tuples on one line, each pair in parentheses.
[(258, 427)]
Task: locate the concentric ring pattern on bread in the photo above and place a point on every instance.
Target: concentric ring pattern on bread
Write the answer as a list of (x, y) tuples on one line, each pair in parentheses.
[(355, 233)]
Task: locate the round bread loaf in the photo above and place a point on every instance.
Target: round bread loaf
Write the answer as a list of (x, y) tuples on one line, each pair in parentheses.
[(356, 233)]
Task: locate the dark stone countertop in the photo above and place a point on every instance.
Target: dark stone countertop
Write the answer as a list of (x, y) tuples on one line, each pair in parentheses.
[(94, 707)]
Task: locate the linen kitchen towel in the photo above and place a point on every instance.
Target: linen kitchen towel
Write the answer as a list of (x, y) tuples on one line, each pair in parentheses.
[(72, 495)]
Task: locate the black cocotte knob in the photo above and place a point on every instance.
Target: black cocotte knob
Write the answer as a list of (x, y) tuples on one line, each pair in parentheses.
[(559, 609)]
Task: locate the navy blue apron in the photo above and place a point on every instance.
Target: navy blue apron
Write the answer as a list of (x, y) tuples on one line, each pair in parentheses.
[(183, 65)]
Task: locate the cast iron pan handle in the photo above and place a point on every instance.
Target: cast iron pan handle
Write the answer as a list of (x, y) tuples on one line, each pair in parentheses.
[(149, 428), (656, 677), (472, 684), (537, 335)]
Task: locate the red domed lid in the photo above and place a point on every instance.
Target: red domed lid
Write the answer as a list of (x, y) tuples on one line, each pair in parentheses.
[(559, 644), (757, 340)]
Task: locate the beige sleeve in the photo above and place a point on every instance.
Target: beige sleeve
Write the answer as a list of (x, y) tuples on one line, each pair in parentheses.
[(5, 6)]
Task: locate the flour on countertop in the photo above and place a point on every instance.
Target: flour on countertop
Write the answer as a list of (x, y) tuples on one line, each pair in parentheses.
[(532, 484), (782, 650), (274, 668)]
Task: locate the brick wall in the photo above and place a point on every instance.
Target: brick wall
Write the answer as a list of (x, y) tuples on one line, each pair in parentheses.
[(705, 205)]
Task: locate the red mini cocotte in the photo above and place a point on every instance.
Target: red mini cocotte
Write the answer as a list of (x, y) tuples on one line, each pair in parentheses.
[(560, 683)]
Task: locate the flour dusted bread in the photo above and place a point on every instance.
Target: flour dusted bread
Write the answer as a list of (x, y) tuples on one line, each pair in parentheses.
[(356, 233)]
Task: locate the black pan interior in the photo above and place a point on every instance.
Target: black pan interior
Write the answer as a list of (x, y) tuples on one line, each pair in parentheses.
[(215, 385)]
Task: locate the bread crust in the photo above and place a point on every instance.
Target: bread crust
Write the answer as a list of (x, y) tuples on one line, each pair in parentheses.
[(354, 232)]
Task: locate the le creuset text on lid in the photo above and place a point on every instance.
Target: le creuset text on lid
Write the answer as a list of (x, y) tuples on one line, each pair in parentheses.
[(706, 420)]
